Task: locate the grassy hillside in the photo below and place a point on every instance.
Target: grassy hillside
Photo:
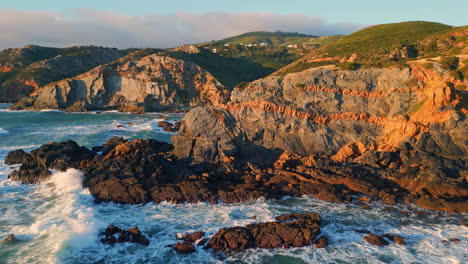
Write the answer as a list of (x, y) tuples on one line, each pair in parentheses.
[(384, 45), (381, 39), (245, 60), (229, 71), (271, 38)]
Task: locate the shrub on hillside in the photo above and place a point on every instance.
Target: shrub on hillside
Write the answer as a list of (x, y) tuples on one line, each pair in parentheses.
[(449, 63), (458, 75), (348, 66), (241, 86), (428, 65)]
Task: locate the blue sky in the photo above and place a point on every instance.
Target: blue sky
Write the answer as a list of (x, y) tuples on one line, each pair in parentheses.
[(169, 23), (453, 12)]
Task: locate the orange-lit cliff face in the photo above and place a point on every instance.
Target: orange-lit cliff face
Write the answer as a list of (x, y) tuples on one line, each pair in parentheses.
[(393, 104), (407, 127)]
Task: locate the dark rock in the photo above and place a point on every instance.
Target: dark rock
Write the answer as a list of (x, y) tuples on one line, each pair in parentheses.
[(375, 240), (300, 216), (112, 230), (166, 126), (295, 233), (18, 156), (35, 166), (132, 235), (185, 247), (191, 237), (322, 242), (60, 155), (232, 239), (111, 143), (455, 240), (30, 174)]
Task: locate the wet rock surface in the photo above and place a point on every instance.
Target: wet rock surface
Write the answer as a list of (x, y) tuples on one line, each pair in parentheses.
[(56, 155), (168, 126), (185, 247), (114, 234), (321, 242), (292, 231)]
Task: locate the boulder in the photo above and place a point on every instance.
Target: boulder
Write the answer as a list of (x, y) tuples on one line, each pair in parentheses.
[(114, 234), (185, 247), (60, 155), (295, 231), (167, 126), (18, 156), (191, 237), (321, 242), (375, 240), (396, 238)]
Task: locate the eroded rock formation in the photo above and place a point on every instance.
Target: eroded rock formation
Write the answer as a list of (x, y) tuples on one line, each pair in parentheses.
[(151, 83)]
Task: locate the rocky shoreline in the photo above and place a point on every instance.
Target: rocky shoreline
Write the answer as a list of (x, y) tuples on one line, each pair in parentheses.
[(144, 171)]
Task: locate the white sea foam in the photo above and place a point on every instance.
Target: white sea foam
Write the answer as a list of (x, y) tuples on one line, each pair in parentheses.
[(63, 222), (25, 147), (3, 131), (67, 181), (50, 110)]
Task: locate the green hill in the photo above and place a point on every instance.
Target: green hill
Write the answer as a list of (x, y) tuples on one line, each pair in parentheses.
[(244, 58), (381, 39), (383, 45), (230, 71), (271, 38)]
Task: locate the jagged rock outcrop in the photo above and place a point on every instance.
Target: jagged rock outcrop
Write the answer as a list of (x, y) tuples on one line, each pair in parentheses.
[(35, 165), (151, 83)]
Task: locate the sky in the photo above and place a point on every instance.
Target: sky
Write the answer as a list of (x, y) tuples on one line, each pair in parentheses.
[(163, 24)]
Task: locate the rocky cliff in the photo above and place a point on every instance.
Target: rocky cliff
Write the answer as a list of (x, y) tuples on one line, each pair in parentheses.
[(24, 70), (405, 126), (134, 84), (326, 111)]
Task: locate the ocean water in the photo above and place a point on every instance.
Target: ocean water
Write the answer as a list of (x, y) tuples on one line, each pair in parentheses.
[(61, 224)]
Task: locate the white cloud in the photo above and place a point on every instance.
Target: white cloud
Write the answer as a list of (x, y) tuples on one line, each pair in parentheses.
[(107, 28)]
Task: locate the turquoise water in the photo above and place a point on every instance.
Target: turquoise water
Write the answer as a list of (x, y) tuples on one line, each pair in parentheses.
[(61, 224)]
